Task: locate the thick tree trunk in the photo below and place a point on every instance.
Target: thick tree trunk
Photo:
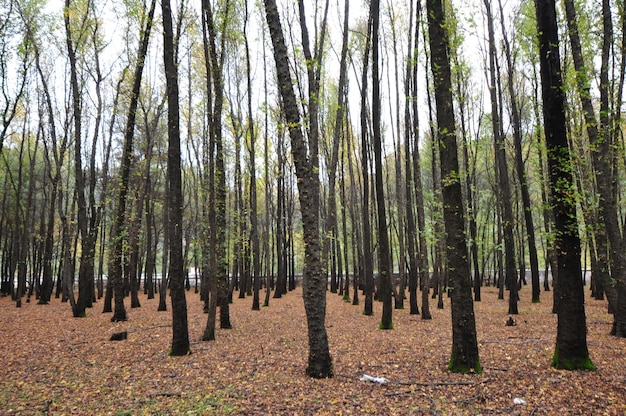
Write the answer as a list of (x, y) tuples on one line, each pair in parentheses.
[(571, 342), (464, 357), (180, 329)]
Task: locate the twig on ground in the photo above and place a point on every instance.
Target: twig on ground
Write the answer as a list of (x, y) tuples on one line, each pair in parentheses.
[(440, 383), (434, 410), (496, 368), (525, 341), (167, 394), (422, 384)]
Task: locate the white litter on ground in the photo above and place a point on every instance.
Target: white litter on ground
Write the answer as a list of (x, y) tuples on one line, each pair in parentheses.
[(380, 380)]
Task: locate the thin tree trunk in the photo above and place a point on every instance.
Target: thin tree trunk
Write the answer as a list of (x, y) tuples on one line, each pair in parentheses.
[(503, 183), (519, 166), (306, 162), (368, 272), (384, 266)]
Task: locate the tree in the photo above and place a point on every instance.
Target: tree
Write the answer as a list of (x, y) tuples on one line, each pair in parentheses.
[(254, 226), (54, 162), (384, 266), (332, 235), (522, 177), (503, 183), (218, 262), (605, 176), (313, 284), (413, 153), (11, 92), (86, 227), (571, 341), (367, 267), (117, 232), (464, 356), (180, 329), (607, 235)]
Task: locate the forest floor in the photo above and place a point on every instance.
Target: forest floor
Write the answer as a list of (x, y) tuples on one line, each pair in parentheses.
[(53, 364)]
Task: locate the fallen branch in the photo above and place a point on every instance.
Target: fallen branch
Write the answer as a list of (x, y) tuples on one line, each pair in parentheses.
[(167, 394), (422, 384), (526, 341), (147, 328), (440, 383), (496, 368)]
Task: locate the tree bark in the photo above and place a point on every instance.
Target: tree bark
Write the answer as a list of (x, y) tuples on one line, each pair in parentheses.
[(571, 341), (314, 284), (180, 330), (464, 357), (503, 183), (384, 267), (119, 224), (519, 166), (367, 268)]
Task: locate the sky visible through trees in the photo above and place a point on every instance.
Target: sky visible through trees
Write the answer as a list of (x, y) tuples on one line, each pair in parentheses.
[(370, 172)]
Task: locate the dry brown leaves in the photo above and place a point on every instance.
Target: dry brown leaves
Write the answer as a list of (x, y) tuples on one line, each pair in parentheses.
[(54, 364)]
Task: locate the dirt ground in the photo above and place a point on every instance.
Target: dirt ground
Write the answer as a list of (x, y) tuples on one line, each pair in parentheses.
[(52, 363)]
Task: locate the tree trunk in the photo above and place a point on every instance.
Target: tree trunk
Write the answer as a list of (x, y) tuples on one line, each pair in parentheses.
[(464, 357), (410, 181), (608, 239), (118, 230), (368, 272), (519, 166), (254, 223), (503, 183), (384, 266), (571, 341), (607, 182), (180, 329), (314, 285), (332, 233)]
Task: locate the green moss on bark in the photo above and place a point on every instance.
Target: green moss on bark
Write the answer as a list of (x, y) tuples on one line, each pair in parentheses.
[(561, 363), (457, 367), (382, 326)]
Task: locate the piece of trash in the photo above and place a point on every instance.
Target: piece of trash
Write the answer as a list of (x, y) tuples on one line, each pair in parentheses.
[(380, 380), (517, 400)]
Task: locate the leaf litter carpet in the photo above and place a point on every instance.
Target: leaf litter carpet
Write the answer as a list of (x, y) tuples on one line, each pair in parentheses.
[(54, 364)]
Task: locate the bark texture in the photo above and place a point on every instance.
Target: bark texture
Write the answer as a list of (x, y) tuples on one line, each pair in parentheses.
[(571, 341), (180, 329), (314, 281), (464, 356)]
